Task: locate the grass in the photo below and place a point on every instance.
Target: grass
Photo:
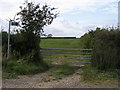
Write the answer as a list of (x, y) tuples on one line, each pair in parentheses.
[(90, 74), (62, 70), (58, 54), (96, 76), (6, 75), (13, 68), (60, 43)]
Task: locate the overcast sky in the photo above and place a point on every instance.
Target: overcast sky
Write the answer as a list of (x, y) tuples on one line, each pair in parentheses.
[(76, 16)]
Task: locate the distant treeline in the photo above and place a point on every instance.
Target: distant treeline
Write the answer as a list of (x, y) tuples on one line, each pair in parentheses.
[(58, 37)]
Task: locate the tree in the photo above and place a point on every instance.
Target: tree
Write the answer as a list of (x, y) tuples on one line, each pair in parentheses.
[(49, 35), (32, 18)]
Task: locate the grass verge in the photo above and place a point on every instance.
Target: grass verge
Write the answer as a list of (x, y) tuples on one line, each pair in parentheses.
[(13, 68), (62, 70), (95, 76)]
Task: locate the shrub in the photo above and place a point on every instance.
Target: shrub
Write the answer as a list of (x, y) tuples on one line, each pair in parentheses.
[(4, 43), (89, 73), (106, 49), (25, 57), (106, 46), (86, 41)]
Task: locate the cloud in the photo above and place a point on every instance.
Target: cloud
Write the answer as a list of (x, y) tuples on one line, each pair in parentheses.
[(9, 8), (63, 26), (3, 24), (111, 9), (88, 5)]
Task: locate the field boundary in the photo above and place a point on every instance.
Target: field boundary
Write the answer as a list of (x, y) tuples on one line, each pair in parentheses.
[(71, 55)]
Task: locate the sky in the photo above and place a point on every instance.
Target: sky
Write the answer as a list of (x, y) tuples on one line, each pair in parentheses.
[(76, 17)]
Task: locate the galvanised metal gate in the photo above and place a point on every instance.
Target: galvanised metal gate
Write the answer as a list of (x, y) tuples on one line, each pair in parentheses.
[(67, 55)]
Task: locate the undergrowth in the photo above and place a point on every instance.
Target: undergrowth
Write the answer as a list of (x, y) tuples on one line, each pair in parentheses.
[(91, 74), (13, 68), (62, 70)]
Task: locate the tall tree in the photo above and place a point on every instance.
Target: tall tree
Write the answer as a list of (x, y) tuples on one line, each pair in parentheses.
[(32, 19)]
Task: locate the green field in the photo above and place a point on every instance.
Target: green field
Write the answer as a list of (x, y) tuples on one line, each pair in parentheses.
[(60, 43), (59, 54)]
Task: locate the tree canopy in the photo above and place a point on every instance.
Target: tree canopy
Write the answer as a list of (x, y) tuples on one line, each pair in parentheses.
[(33, 17)]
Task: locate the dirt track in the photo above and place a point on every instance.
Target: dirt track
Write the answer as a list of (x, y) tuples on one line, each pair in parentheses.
[(43, 80)]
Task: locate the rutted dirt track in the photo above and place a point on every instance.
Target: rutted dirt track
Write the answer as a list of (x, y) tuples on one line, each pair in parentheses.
[(43, 80)]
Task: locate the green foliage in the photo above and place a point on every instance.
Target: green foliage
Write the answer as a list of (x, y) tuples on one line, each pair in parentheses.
[(34, 17), (89, 73), (49, 35), (4, 37), (106, 46), (106, 49), (20, 67), (24, 47), (92, 74), (86, 41), (8, 75), (49, 63), (63, 70), (4, 43)]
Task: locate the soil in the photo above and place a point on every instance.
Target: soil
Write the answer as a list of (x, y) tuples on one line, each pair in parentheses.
[(44, 80)]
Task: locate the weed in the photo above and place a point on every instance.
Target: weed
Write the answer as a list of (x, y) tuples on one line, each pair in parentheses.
[(13, 68), (95, 75), (62, 70)]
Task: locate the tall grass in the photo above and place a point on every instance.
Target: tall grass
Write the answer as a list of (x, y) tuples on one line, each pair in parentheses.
[(13, 68), (92, 74)]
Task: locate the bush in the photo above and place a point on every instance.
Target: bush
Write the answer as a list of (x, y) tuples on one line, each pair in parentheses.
[(86, 41), (25, 55), (106, 49), (4, 43), (106, 46), (89, 73)]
